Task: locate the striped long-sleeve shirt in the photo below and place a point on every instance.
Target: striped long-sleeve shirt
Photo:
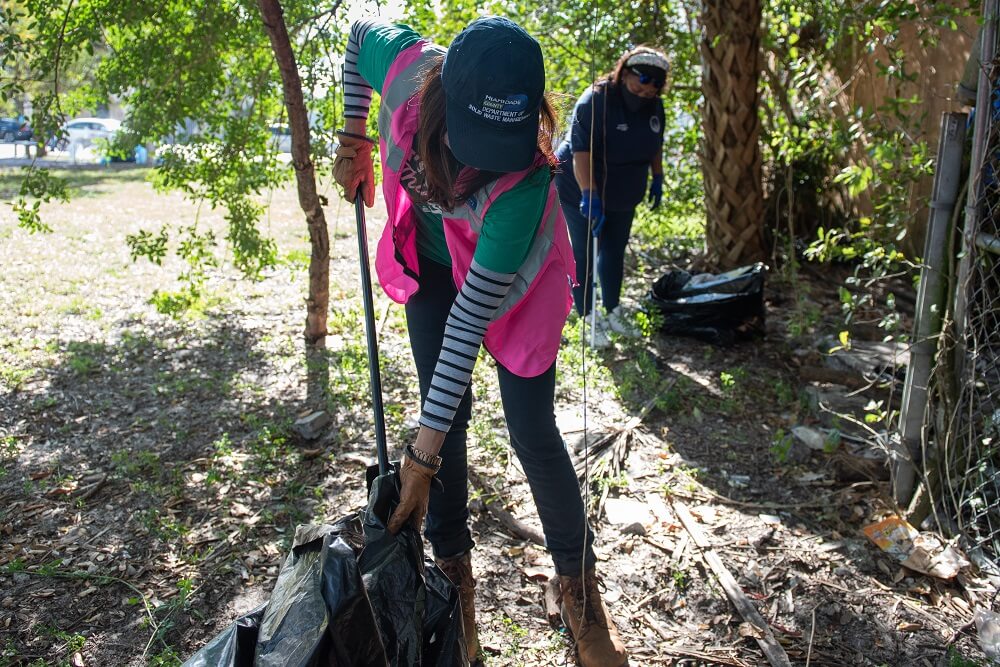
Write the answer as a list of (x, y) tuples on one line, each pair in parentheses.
[(473, 310), (357, 91)]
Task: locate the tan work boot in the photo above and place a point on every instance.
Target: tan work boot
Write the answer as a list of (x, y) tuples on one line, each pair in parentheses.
[(584, 613), (459, 572)]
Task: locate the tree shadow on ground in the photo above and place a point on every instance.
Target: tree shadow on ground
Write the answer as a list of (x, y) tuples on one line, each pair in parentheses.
[(148, 480)]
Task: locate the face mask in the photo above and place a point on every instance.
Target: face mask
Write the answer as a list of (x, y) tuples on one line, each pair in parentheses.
[(633, 102)]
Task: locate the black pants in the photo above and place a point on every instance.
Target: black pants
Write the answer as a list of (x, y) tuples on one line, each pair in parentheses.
[(611, 246), (528, 409)]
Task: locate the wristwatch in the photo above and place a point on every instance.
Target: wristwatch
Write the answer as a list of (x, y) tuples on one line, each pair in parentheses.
[(427, 460)]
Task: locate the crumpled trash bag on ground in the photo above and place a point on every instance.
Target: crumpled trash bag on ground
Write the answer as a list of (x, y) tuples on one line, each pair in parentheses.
[(717, 308), (353, 594), (233, 646), (988, 628)]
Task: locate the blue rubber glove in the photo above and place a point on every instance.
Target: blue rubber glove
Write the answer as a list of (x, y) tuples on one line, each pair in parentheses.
[(592, 210), (656, 191)]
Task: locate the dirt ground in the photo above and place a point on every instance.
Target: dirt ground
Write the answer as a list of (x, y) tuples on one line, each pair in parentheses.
[(151, 481)]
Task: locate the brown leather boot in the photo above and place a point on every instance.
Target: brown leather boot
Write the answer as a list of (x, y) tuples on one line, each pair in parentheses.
[(584, 613), (459, 572)]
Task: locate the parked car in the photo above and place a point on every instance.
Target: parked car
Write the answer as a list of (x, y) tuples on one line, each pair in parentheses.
[(84, 132), (175, 147), (12, 129), (82, 138), (281, 138)]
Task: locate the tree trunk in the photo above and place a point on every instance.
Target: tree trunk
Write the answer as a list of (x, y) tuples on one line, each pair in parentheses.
[(317, 304), (730, 155)]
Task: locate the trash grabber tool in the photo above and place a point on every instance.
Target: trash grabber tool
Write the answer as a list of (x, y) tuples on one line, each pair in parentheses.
[(373, 370)]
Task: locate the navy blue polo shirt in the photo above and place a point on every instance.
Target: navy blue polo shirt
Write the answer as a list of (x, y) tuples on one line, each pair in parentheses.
[(625, 143)]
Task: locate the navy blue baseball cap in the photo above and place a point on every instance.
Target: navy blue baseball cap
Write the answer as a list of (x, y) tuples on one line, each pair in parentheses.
[(494, 81)]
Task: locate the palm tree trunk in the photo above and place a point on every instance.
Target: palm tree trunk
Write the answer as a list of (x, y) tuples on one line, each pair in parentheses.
[(730, 155)]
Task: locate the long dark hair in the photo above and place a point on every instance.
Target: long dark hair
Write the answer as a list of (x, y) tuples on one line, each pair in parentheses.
[(444, 187)]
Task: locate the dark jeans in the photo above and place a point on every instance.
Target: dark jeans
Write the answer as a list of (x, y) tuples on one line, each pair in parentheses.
[(611, 246), (528, 409)]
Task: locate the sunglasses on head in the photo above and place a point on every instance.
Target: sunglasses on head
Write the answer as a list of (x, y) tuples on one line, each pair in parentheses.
[(644, 78)]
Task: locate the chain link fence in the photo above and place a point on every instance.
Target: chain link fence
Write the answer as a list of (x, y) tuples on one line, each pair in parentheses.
[(964, 422)]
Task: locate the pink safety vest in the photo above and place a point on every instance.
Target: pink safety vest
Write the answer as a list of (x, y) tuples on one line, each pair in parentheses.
[(526, 333)]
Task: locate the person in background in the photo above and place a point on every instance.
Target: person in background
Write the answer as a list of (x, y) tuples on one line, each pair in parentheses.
[(614, 141), (476, 247)]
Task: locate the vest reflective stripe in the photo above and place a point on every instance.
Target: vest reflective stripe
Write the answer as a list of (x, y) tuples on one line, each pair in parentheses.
[(398, 88), (540, 246)]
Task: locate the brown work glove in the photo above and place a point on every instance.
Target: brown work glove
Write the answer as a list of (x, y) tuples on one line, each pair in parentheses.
[(414, 493), (353, 169)]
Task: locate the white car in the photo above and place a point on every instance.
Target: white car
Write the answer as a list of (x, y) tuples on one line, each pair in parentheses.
[(79, 136), (281, 138)]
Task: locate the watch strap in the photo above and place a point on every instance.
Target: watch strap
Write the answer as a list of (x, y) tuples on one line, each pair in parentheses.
[(426, 459)]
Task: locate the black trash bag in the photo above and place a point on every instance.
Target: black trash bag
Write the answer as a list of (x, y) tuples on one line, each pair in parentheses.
[(417, 609), (350, 594), (233, 646), (319, 613), (720, 309)]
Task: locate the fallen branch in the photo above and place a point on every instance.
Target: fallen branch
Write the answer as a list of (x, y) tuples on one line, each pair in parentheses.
[(772, 649), (823, 501), (812, 633), (517, 527), (85, 492)]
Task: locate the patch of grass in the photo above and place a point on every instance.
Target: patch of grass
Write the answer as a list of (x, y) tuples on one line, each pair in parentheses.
[(269, 448), (182, 383), (10, 449), (785, 394), (9, 650), (619, 481), (673, 234), (163, 526), (223, 446), (78, 305), (168, 657), (297, 259), (16, 565), (13, 377), (190, 302), (162, 618), (732, 384), (136, 463), (71, 642), (805, 316), (514, 633), (349, 381), (84, 358), (957, 660), (572, 357), (781, 444), (80, 181), (640, 378), (685, 478)]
